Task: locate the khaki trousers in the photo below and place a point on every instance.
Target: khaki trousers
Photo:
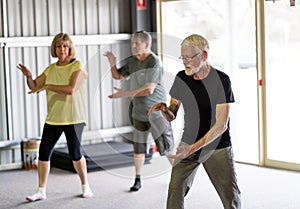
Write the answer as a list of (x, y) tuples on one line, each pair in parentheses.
[(219, 165)]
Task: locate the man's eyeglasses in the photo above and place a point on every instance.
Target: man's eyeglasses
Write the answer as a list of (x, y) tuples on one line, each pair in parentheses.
[(189, 58)]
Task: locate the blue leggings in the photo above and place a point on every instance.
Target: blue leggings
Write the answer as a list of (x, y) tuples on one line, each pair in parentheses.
[(51, 135)]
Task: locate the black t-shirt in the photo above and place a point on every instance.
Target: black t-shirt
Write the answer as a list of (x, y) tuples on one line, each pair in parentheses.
[(199, 99)]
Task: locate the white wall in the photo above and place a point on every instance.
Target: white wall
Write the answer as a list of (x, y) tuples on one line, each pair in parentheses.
[(27, 30)]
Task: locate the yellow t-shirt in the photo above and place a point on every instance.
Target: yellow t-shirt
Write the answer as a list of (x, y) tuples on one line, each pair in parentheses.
[(65, 109)]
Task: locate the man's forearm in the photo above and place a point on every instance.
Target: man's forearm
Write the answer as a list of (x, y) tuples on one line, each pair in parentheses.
[(210, 136), (115, 73)]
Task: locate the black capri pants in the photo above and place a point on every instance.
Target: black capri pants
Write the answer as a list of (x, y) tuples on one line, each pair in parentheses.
[(51, 135)]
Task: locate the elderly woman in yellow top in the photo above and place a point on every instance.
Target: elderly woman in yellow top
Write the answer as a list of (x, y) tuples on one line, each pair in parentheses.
[(64, 82)]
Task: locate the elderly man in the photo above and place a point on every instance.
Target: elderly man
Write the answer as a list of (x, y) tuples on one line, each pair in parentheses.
[(206, 95), (144, 71)]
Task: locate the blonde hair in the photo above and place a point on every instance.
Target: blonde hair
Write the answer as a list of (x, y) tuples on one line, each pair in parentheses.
[(63, 37), (197, 41)]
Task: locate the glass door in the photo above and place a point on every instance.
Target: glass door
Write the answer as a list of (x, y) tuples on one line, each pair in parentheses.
[(229, 25), (282, 83)]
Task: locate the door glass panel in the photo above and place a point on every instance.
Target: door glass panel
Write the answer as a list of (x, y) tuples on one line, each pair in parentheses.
[(282, 80), (229, 25)]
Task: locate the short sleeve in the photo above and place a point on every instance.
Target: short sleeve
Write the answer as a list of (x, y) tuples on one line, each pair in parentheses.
[(227, 89)]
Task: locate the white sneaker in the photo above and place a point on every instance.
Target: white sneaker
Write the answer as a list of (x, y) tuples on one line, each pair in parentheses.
[(36, 197), (87, 192)]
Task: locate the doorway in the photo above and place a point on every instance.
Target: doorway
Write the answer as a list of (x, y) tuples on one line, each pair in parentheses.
[(282, 84), (229, 26)]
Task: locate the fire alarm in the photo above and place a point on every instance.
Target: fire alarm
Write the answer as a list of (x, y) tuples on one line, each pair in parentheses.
[(141, 4)]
